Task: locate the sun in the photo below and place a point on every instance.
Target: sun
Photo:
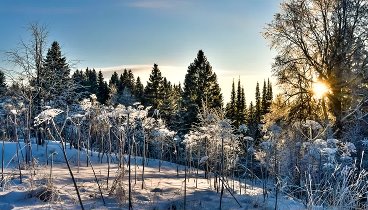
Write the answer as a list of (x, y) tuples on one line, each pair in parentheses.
[(320, 89)]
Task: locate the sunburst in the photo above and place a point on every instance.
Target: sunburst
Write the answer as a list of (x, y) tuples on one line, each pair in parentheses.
[(320, 89)]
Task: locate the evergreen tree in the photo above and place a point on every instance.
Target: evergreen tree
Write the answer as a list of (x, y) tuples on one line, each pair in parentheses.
[(3, 87), (230, 107), (91, 81), (251, 114), (78, 76), (177, 93), (254, 116), (236, 108), (153, 92), (200, 88), (257, 108), (179, 111), (122, 82), (168, 106), (56, 85), (139, 89), (214, 98), (243, 106), (240, 106), (264, 99), (253, 123), (130, 82), (114, 80), (102, 89), (269, 95), (79, 80)]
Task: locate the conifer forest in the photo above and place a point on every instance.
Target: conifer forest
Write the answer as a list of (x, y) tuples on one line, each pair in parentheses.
[(79, 138)]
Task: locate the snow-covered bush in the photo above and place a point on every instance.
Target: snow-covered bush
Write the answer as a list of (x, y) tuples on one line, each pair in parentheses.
[(213, 142)]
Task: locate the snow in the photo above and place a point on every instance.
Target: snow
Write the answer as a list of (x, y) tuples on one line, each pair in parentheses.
[(162, 190)]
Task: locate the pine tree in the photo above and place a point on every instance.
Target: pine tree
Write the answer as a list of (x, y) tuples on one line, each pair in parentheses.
[(200, 89), (153, 92)]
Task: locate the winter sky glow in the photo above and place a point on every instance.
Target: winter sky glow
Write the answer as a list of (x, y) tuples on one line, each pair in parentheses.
[(111, 33)]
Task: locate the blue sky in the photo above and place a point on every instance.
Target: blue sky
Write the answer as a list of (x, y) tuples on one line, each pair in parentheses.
[(110, 34)]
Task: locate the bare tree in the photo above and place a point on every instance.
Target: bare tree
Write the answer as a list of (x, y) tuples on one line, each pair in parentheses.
[(28, 59), (324, 40)]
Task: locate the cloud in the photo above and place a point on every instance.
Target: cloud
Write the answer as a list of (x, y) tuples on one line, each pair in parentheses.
[(175, 74)]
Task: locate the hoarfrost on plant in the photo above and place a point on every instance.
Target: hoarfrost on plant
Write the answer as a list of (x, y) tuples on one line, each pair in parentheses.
[(47, 115)]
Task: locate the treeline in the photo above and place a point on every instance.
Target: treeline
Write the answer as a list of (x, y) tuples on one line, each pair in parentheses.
[(178, 106)]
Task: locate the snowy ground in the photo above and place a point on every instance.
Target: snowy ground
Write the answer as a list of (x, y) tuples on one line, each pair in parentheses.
[(162, 190)]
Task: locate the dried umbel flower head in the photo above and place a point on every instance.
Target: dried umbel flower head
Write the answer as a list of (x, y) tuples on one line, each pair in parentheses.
[(46, 116)]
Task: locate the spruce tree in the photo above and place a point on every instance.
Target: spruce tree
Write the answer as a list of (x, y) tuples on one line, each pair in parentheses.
[(251, 113), (236, 108), (130, 82), (3, 87), (114, 80), (124, 78), (79, 80), (102, 89), (91, 81), (264, 99), (257, 108), (230, 108), (139, 89), (240, 102), (251, 120), (214, 98), (269, 95), (200, 89), (243, 106), (56, 84), (168, 106), (153, 92)]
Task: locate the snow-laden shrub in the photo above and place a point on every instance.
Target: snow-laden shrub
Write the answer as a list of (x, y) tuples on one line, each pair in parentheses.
[(212, 142), (319, 170)]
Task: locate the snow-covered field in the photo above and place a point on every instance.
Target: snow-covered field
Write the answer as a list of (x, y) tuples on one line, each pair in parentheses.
[(161, 190)]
